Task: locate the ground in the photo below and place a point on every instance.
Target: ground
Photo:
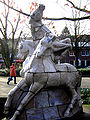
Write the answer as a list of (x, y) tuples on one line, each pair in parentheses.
[(4, 87)]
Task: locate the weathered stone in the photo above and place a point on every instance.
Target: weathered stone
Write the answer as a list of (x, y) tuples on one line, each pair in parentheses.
[(28, 78), (48, 104), (51, 113), (31, 104), (40, 77), (61, 110), (53, 79), (19, 94), (48, 65), (65, 68), (22, 117), (34, 114), (55, 97), (37, 66), (41, 100), (75, 109)]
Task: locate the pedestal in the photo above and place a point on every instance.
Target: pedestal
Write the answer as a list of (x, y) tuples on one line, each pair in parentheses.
[(48, 104)]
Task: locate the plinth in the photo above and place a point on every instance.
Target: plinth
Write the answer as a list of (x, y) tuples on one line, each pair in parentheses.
[(48, 104)]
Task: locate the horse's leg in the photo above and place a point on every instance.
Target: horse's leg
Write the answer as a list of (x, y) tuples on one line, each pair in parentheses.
[(10, 96), (79, 96), (34, 88), (73, 100), (78, 90)]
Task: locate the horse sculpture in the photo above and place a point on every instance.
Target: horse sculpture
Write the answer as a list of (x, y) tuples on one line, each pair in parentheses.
[(40, 79), (39, 70)]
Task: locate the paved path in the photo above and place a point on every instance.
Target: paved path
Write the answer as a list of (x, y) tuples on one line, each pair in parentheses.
[(4, 88), (85, 82)]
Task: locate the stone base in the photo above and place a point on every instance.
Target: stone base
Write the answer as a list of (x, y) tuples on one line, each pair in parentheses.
[(78, 116), (48, 104), (2, 102)]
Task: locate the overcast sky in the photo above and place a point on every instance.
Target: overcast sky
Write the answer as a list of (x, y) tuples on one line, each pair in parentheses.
[(56, 9), (53, 8)]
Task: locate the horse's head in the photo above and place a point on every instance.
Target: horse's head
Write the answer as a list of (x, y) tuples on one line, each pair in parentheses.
[(37, 14), (25, 48)]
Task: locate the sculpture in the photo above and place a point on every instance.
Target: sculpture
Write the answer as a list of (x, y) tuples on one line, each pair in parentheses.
[(39, 70)]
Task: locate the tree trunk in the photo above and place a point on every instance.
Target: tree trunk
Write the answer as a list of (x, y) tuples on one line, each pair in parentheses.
[(5, 53), (76, 60)]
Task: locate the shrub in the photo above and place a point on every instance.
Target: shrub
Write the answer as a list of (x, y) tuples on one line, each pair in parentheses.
[(18, 72), (6, 72), (84, 69), (85, 95)]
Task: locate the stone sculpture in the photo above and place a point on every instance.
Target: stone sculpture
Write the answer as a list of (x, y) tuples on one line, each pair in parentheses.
[(39, 70)]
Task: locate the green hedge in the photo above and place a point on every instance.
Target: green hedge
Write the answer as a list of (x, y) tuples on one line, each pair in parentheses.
[(6, 72), (85, 71), (85, 95)]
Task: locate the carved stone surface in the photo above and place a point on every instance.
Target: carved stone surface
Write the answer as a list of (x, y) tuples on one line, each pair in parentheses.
[(48, 104)]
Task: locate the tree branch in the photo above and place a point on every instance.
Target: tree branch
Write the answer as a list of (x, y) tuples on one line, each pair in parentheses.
[(2, 32), (18, 40), (85, 44), (46, 18), (15, 9), (83, 10), (71, 19), (17, 24), (2, 24)]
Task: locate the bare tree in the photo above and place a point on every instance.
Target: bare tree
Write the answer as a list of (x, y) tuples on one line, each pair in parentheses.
[(78, 8), (79, 39), (8, 50), (47, 18)]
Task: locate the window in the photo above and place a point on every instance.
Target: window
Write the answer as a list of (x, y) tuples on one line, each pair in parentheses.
[(87, 53), (88, 44), (83, 53), (71, 53)]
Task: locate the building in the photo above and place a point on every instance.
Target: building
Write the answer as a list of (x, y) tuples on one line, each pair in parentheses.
[(83, 59)]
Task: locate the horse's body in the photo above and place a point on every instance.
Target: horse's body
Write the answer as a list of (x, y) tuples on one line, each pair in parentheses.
[(39, 70)]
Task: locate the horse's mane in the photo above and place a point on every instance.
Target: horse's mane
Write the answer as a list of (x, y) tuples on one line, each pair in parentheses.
[(27, 42)]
